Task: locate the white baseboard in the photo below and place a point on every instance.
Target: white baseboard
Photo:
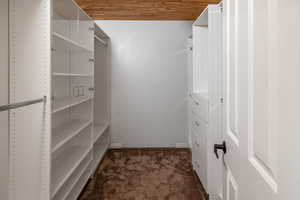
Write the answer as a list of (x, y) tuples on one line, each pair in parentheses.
[(120, 146), (116, 145), (182, 145)]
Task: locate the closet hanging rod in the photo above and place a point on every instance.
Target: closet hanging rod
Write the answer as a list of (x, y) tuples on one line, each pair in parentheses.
[(22, 104), (101, 40)]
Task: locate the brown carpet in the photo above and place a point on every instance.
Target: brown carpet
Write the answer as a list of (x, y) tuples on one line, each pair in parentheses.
[(144, 174)]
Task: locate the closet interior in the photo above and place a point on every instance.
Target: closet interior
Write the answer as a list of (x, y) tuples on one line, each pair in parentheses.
[(149, 100), (74, 58)]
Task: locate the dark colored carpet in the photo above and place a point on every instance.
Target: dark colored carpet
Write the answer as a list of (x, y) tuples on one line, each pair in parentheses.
[(144, 174)]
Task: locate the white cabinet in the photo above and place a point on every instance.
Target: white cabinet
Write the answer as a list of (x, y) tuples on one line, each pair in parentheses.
[(58, 142), (199, 143), (199, 106), (206, 98), (199, 132)]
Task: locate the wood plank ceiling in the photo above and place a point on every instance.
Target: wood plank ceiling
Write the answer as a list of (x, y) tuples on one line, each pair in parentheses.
[(144, 9)]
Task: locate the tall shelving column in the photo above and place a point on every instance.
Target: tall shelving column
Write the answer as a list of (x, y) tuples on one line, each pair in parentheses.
[(101, 136), (72, 99), (206, 105)]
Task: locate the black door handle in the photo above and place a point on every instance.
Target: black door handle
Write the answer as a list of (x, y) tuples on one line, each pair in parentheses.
[(220, 146)]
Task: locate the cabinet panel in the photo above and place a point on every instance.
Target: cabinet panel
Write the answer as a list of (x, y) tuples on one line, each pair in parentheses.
[(4, 91), (199, 158), (199, 127), (29, 80), (195, 152), (199, 107)]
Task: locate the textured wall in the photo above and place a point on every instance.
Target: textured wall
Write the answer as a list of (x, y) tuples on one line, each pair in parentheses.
[(149, 82)]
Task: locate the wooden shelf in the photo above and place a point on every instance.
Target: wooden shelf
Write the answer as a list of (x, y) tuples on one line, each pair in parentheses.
[(99, 129), (66, 103), (71, 75), (70, 43), (65, 132)]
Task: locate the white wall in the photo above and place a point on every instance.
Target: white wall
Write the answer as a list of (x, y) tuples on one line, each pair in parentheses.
[(149, 82)]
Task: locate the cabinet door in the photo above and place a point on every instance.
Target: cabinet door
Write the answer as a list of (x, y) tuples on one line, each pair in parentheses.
[(29, 78)]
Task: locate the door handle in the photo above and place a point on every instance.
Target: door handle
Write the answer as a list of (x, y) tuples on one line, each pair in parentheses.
[(221, 147)]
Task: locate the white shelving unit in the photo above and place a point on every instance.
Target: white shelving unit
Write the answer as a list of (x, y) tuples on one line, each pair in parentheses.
[(69, 42), (79, 185), (68, 102), (71, 159), (67, 131), (101, 137), (100, 147), (80, 102), (67, 74), (99, 129), (74, 93), (73, 179), (75, 75), (206, 98)]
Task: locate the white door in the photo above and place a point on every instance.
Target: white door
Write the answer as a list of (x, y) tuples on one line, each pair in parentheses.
[(262, 62), (4, 99)]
